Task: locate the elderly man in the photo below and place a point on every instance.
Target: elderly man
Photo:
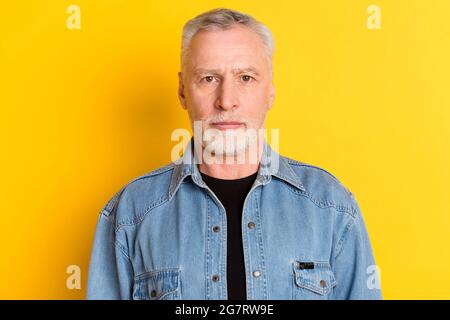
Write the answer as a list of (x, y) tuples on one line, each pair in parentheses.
[(208, 226)]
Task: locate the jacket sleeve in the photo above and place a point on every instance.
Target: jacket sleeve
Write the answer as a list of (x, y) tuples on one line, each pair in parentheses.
[(357, 275), (110, 274)]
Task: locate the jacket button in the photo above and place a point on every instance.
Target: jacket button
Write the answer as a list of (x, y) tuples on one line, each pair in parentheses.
[(153, 293), (323, 283), (256, 273), (216, 229), (215, 278), (251, 225)]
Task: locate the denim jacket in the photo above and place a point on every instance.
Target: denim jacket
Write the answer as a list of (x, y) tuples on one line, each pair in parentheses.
[(163, 236)]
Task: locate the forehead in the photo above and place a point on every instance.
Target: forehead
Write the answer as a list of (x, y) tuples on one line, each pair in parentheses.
[(216, 48)]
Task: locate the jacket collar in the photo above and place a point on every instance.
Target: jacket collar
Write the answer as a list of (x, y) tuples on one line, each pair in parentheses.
[(272, 164)]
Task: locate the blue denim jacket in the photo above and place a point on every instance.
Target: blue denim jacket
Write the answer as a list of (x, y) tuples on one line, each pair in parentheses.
[(303, 237)]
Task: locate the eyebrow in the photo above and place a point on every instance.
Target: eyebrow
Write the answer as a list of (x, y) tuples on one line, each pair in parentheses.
[(198, 71)]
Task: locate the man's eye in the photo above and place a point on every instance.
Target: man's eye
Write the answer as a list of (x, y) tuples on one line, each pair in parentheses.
[(209, 78), (246, 78)]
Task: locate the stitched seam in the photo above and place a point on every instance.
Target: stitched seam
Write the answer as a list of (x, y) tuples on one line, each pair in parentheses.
[(163, 169), (152, 273), (325, 204), (207, 248), (122, 249), (341, 241), (142, 216), (301, 164), (109, 208), (260, 241)]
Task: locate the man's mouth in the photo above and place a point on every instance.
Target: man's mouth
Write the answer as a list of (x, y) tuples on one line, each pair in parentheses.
[(224, 125)]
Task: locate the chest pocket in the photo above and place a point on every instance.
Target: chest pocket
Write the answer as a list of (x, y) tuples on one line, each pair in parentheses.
[(158, 285), (312, 280)]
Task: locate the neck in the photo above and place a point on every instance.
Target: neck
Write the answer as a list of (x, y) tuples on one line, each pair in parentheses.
[(235, 170)]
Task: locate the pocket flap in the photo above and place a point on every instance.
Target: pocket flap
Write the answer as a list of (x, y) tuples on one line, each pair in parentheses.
[(317, 277), (156, 285)]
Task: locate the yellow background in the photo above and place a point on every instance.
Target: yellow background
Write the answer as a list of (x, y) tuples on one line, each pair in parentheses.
[(85, 111)]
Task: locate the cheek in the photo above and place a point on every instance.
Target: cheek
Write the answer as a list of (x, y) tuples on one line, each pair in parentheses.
[(203, 95), (257, 101), (200, 103)]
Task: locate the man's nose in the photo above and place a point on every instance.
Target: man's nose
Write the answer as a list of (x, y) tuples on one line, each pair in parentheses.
[(228, 95)]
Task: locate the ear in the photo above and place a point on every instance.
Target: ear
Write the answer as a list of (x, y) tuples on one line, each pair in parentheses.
[(271, 95), (181, 91)]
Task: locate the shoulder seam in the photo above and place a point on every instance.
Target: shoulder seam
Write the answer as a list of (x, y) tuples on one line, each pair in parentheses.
[(159, 202), (350, 210), (155, 172), (111, 204), (302, 164)]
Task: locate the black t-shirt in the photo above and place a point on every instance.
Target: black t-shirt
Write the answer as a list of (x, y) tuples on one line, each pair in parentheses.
[(231, 194)]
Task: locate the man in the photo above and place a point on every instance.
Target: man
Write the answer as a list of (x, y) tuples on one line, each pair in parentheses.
[(210, 227)]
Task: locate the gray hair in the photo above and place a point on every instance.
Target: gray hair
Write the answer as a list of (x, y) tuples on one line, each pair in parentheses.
[(224, 19)]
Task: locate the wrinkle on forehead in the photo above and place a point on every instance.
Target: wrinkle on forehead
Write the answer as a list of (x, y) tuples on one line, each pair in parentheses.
[(237, 46), (252, 70)]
